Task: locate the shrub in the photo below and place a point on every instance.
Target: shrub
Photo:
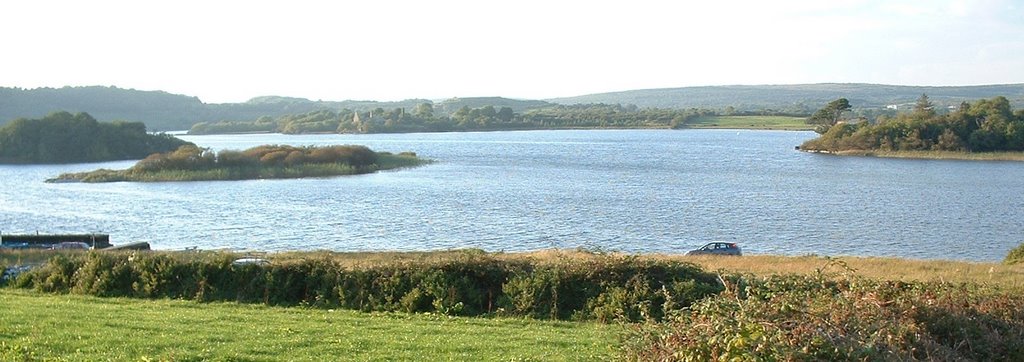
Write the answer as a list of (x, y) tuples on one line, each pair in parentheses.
[(847, 318), (1015, 256)]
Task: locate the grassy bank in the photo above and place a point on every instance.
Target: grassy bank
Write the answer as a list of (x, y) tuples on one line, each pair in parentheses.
[(751, 122), (908, 270), (75, 328), (938, 155)]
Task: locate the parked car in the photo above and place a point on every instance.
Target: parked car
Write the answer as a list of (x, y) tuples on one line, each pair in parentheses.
[(70, 245), (717, 248)]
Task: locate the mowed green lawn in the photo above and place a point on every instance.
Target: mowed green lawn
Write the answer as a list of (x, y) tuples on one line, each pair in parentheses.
[(77, 328), (751, 122)]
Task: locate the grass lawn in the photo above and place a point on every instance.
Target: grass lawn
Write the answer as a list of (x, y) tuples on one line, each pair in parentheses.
[(751, 122), (69, 327)]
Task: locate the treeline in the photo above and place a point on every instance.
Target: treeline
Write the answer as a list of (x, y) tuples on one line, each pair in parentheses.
[(456, 283), (423, 118), (62, 137), (984, 126)]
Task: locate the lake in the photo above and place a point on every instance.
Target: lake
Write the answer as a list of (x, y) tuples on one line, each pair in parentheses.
[(611, 190)]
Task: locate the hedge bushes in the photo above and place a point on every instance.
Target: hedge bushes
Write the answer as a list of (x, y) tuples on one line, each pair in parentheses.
[(603, 287), (1016, 255), (807, 318)]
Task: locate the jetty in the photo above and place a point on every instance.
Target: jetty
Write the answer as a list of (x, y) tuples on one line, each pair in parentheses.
[(54, 241)]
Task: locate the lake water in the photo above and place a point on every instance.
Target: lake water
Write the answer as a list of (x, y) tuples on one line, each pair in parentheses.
[(622, 190)]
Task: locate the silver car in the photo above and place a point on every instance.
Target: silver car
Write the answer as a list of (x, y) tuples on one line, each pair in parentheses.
[(717, 248)]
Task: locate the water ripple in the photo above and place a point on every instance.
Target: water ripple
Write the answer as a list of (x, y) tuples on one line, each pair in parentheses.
[(632, 191)]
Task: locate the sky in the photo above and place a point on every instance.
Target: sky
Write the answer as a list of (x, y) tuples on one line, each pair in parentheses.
[(230, 51)]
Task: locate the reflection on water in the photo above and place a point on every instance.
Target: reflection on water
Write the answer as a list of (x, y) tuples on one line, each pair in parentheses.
[(633, 191)]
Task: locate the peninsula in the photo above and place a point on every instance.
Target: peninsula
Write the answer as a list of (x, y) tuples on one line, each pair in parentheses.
[(62, 137), (988, 129)]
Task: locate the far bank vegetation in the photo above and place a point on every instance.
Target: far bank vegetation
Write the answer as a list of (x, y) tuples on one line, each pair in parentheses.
[(425, 118)]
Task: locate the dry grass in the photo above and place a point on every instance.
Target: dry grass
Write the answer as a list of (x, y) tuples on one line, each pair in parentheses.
[(878, 268)]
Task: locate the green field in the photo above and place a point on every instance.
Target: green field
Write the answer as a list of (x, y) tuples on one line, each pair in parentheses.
[(751, 122), (74, 328)]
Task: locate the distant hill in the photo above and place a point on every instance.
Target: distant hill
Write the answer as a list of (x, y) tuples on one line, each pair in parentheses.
[(802, 98), (160, 111)]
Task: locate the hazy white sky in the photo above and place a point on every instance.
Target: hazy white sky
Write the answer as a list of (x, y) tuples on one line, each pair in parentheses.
[(230, 51)]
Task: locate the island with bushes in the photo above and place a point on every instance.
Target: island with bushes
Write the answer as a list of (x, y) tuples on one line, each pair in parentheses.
[(62, 137), (986, 129), (192, 163)]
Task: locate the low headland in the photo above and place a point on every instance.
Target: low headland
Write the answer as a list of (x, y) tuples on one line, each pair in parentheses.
[(191, 163), (606, 305), (988, 129)]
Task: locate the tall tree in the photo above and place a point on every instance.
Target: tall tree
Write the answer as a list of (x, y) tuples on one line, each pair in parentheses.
[(424, 110), (924, 108), (505, 114), (829, 115)]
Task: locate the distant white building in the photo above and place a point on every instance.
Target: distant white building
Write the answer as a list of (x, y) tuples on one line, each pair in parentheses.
[(894, 107)]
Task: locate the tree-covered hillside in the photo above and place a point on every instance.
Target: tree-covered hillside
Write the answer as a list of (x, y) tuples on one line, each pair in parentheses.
[(799, 98), (62, 137)]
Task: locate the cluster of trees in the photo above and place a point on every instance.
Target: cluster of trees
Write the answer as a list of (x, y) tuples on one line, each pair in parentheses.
[(191, 157), (983, 126), (424, 118), (62, 137), (614, 116)]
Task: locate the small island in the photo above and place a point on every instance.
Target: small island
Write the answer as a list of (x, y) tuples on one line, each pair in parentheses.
[(988, 129), (62, 137), (192, 163)]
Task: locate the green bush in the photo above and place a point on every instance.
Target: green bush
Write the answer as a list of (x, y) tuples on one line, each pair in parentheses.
[(603, 288), (846, 318), (1015, 256)]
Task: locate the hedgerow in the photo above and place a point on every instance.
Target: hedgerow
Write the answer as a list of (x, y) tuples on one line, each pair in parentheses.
[(604, 287)]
